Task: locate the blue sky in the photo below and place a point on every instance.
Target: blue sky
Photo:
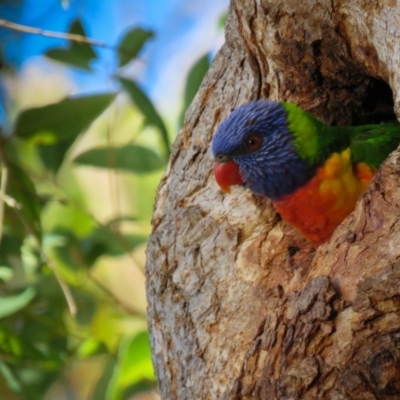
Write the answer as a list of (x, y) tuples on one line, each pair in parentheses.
[(184, 30)]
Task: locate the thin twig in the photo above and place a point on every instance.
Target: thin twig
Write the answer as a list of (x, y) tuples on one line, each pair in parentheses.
[(58, 35), (64, 287), (67, 36), (11, 202), (3, 188)]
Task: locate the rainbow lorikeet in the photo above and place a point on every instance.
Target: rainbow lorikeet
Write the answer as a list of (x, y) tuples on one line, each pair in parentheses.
[(313, 173)]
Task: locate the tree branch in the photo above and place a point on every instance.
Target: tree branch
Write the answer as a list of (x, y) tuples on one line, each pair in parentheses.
[(58, 35)]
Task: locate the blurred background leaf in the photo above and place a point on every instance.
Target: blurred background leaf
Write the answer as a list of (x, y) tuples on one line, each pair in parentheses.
[(55, 127), (144, 104), (11, 304), (76, 54), (134, 368), (193, 81), (132, 43), (85, 134), (60, 121), (130, 157)]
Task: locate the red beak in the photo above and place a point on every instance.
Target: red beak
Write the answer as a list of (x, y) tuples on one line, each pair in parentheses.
[(227, 174)]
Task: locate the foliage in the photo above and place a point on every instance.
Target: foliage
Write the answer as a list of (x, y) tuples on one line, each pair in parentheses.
[(77, 54), (194, 80), (57, 310)]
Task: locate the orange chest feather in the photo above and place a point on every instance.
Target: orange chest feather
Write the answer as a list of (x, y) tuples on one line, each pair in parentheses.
[(317, 208)]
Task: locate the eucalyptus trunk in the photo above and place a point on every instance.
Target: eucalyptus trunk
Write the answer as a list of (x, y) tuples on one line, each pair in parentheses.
[(240, 305)]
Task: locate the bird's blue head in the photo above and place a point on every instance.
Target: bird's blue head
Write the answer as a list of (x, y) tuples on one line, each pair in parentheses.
[(254, 147)]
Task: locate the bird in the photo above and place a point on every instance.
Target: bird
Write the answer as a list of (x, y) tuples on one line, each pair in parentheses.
[(313, 173)]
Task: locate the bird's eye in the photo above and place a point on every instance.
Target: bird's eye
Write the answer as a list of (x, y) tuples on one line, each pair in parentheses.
[(253, 142)]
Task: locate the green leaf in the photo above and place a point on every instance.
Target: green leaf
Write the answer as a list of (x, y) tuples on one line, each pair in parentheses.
[(146, 107), (61, 121), (11, 344), (76, 253), (134, 365), (77, 54), (65, 248), (195, 77), (70, 56), (6, 273), (222, 21), (11, 242), (139, 389), (104, 241), (143, 388), (90, 347), (22, 190), (59, 217), (11, 304), (134, 158), (193, 82), (10, 378), (135, 360), (103, 382), (132, 43), (53, 155), (86, 305)]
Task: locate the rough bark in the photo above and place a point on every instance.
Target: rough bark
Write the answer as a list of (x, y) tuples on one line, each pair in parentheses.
[(240, 306)]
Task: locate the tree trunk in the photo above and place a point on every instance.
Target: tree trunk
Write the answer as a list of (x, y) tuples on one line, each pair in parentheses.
[(240, 306)]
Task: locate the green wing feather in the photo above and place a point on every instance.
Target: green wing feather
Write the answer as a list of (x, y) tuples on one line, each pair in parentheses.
[(373, 143), (315, 141)]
